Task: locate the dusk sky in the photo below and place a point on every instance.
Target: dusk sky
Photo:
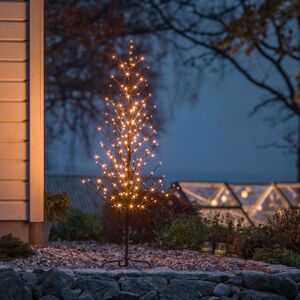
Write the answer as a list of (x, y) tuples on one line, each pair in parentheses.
[(214, 139), (217, 140)]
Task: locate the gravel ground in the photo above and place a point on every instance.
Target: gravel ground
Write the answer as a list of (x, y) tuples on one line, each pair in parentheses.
[(83, 255)]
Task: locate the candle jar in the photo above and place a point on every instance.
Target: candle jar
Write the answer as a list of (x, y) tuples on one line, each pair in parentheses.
[(220, 249), (207, 248)]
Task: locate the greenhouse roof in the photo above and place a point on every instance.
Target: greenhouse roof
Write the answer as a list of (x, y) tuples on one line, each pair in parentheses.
[(254, 203)]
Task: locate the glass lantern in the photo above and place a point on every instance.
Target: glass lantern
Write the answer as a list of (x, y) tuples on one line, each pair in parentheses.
[(207, 248), (220, 249)]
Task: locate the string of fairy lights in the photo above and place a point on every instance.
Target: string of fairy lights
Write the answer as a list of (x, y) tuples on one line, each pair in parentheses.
[(129, 138)]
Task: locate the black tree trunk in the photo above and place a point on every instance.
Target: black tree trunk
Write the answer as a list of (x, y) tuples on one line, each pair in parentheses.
[(298, 153), (126, 240)]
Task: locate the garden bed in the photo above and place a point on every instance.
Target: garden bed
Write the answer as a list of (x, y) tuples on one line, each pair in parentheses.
[(86, 255)]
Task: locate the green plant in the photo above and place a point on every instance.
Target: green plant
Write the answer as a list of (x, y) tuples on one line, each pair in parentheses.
[(56, 206), (78, 226), (286, 227), (184, 232), (282, 231), (290, 258), (266, 254), (11, 247), (277, 256), (221, 228), (191, 231), (251, 238)]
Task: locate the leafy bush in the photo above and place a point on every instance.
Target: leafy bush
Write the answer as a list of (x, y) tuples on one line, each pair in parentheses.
[(11, 247), (184, 232), (192, 231), (145, 223), (277, 256), (285, 225), (282, 231), (251, 238), (222, 228), (78, 226), (56, 206), (279, 237)]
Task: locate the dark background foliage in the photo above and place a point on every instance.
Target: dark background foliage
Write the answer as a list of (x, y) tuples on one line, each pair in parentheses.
[(144, 224)]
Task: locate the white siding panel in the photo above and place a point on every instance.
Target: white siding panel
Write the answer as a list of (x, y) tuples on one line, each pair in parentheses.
[(11, 71), (13, 91), (12, 11), (13, 51), (13, 151), (14, 171), (13, 190), (13, 111), (13, 132), (13, 210), (10, 31)]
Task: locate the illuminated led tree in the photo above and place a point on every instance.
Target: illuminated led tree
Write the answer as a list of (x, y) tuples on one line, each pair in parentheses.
[(128, 141)]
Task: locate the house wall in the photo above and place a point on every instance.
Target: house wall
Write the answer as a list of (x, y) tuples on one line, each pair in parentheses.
[(21, 116)]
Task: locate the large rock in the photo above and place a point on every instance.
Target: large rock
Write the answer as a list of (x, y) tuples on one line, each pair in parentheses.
[(67, 294), (86, 295), (222, 290), (101, 289), (9, 273), (13, 288), (160, 282), (128, 296), (295, 275), (282, 284), (54, 281), (187, 289), (139, 286), (37, 291), (39, 272), (29, 277), (150, 296), (236, 291), (236, 280), (255, 295)]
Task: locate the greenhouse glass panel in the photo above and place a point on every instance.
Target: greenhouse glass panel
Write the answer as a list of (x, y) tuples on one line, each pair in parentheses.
[(291, 192), (254, 203)]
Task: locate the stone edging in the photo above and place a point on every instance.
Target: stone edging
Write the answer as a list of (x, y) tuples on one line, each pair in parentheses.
[(151, 284)]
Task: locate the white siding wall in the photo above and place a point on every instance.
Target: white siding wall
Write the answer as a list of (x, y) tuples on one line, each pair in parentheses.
[(14, 111)]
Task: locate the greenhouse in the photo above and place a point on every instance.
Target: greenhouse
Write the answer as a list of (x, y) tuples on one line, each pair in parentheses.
[(253, 203)]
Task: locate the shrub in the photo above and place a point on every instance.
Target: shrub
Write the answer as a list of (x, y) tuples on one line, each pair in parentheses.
[(78, 226), (11, 247), (271, 255), (251, 238), (192, 231), (184, 232), (285, 224), (282, 231), (56, 206), (277, 256), (221, 228), (290, 258), (145, 223)]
